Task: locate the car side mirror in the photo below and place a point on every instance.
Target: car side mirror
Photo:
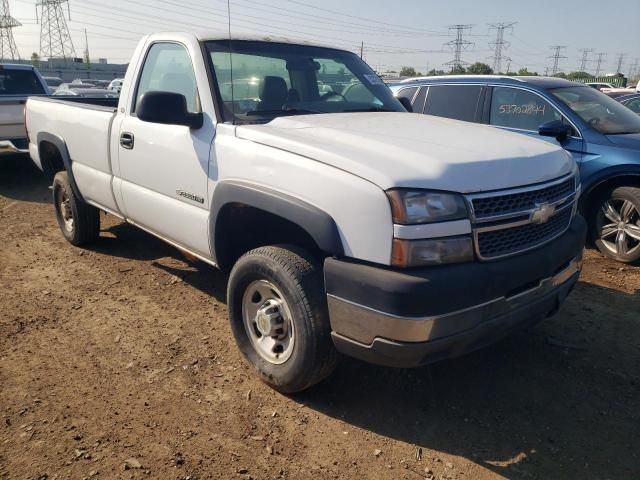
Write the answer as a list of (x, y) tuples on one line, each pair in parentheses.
[(406, 103), (555, 128), (168, 108)]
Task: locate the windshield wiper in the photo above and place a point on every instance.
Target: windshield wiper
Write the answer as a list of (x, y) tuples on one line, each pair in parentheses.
[(289, 111)]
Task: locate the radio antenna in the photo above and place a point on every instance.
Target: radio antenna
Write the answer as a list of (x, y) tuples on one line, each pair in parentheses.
[(233, 103)]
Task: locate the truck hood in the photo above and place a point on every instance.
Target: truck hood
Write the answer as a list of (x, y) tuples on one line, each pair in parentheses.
[(412, 150)]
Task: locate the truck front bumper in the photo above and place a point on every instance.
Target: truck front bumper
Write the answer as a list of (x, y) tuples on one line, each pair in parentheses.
[(14, 146), (406, 318)]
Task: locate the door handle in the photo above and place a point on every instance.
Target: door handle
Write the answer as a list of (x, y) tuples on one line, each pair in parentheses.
[(126, 140)]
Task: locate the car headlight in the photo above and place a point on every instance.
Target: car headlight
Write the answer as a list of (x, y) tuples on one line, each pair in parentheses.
[(411, 207), (436, 251)]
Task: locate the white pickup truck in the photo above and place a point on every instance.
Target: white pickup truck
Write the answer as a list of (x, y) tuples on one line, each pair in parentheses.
[(17, 82), (346, 224)]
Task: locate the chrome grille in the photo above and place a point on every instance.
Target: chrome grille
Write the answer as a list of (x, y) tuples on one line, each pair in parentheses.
[(498, 243), (510, 222), (491, 206)]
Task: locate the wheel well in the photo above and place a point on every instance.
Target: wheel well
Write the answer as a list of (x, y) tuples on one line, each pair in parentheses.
[(240, 228), (50, 159), (588, 201)]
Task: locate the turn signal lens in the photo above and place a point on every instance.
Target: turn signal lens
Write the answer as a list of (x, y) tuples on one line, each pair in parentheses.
[(440, 251)]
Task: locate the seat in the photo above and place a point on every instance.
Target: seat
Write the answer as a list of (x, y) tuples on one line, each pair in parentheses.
[(358, 93), (273, 93)]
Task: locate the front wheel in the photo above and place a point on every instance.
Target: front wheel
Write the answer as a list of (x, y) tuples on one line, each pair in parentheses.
[(617, 224), (279, 317)]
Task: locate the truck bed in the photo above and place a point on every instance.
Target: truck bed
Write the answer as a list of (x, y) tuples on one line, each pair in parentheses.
[(83, 125), (104, 104)]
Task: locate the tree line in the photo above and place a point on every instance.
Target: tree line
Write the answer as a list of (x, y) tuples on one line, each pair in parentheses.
[(480, 68)]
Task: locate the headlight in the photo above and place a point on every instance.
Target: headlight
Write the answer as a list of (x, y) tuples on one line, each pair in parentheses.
[(410, 207), (438, 251)]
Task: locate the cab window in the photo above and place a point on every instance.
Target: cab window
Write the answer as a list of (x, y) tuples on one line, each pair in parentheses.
[(168, 68), (460, 102), (520, 109), (19, 82)]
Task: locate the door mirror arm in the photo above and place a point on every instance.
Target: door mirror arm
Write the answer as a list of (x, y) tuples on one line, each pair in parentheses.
[(168, 108)]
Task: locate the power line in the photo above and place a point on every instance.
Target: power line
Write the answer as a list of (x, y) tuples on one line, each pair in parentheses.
[(556, 57), (332, 21), (8, 48), (601, 56), (500, 44), (458, 45), (55, 39), (342, 14), (585, 58)]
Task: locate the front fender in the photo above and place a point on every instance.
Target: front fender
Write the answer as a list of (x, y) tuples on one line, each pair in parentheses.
[(318, 224)]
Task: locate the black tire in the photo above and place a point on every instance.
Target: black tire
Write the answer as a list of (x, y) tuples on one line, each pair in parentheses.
[(299, 279), (629, 251), (85, 219)]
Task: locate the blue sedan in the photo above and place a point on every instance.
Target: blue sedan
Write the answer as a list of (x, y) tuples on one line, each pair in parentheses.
[(601, 134)]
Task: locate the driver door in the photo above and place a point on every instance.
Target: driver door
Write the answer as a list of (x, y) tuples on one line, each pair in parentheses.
[(164, 168)]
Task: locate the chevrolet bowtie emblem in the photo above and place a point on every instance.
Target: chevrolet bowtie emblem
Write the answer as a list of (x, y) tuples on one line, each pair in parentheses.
[(542, 213)]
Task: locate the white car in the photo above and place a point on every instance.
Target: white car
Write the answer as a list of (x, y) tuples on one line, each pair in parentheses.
[(116, 85), (17, 82), (345, 223)]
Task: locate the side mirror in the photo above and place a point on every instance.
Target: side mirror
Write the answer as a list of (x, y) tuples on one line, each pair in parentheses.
[(406, 103), (168, 108), (555, 128)]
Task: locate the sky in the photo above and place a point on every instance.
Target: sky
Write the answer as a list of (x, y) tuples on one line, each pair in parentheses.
[(393, 33)]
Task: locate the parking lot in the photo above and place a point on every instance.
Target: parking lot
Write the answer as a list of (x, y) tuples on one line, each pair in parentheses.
[(118, 362)]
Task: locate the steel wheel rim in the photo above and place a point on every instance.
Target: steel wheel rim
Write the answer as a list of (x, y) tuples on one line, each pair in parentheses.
[(66, 212), (620, 227), (268, 322)]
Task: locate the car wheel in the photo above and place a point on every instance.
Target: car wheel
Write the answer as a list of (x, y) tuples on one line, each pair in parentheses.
[(79, 221), (279, 317), (617, 224)]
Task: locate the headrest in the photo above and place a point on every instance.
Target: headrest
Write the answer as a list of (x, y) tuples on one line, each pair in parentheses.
[(273, 88)]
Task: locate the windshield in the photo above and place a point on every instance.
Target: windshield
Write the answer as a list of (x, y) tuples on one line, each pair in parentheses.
[(277, 79), (19, 82), (601, 112)]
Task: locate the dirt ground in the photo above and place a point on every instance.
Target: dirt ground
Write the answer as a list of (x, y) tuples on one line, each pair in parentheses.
[(117, 362)]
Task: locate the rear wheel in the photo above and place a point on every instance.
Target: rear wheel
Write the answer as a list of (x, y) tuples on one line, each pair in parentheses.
[(79, 221), (279, 317), (617, 224)]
